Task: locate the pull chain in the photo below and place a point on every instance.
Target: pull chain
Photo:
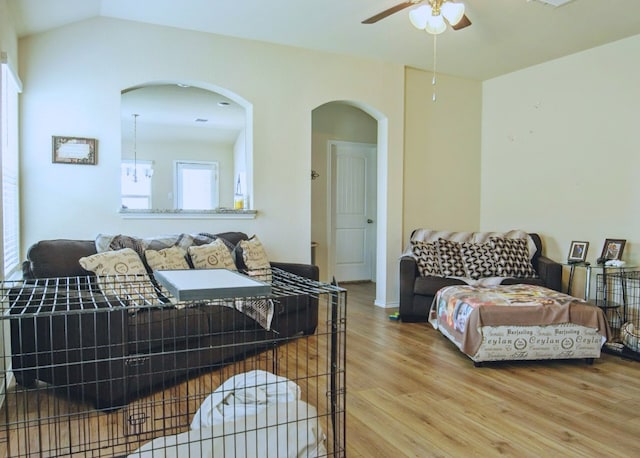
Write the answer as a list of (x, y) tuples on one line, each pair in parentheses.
[(135, 147), (433, 80)]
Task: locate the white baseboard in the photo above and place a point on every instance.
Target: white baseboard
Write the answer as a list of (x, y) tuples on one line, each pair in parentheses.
[(8, 380), (388, 305)]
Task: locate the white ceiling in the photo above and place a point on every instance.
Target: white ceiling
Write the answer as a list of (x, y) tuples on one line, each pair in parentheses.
[(506, 35), (169, 111)]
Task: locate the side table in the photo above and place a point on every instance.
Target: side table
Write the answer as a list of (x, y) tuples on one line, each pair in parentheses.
[(617, 270), (572, 268)]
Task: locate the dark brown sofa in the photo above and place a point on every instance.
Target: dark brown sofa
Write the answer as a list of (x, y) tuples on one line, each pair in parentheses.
[(417, 292), (107, 355)]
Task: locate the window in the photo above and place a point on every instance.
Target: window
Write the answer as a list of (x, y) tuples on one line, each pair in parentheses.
[(135, 179), (9, 88), (196, 185)]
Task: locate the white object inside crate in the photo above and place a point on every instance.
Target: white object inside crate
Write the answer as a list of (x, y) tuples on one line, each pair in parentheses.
[(253, 414), (244, 394)]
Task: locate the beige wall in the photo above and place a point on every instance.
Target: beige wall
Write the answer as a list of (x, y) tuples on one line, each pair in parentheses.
[(558, 152), (561, 151), (8, 38), (340, 122), (164, 153), (73, 76), (442, 153)]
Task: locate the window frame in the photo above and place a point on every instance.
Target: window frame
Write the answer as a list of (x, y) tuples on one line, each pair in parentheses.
[(181, 164), (10, 89)]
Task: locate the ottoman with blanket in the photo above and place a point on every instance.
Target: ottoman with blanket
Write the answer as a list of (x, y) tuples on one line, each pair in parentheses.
[(518, 322)]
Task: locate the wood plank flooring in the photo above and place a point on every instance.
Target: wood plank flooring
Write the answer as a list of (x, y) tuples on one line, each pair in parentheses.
[(410, 392)]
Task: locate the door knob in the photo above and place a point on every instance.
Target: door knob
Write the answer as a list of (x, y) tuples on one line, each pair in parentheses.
[(369, 221)]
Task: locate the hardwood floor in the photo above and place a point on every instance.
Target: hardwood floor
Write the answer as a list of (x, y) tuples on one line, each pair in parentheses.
[(410, 392)]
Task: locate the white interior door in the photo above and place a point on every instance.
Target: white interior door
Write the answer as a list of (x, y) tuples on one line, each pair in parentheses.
[(353, 214)]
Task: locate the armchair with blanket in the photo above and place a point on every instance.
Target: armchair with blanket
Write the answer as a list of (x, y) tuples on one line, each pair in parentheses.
[(435, 259)]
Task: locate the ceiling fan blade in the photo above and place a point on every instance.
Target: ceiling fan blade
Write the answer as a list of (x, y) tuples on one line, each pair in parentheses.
[(462, 23), (389, 12)]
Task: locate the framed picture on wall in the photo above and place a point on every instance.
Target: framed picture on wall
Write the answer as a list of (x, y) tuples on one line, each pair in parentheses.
[(74, 150), (612, 249), (578, 252)]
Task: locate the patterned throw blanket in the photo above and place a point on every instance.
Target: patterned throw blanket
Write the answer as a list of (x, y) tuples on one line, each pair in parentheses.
[(461, 311), (140, 245)]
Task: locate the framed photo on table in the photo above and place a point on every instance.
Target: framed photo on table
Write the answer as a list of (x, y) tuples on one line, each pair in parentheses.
[(612, 249), (578, 252), (74, 150)]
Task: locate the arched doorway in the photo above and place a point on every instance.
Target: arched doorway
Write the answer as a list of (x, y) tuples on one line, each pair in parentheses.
[(344, 191)]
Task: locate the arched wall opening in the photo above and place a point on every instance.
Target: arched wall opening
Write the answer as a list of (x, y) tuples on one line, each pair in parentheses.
[(339, 124)]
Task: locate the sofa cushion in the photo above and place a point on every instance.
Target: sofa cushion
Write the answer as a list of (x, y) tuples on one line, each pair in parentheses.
[(225, 318), (426, 255), (478, 260), (57, 258), (164, 328), (429, 286), (512, 258), (450, 259), (523, 281), (121, 273), (172, 258), (252, 259), (214, 255)]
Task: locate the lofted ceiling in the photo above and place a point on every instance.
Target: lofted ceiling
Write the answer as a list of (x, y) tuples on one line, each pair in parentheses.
[(169, 111), (506, 35)]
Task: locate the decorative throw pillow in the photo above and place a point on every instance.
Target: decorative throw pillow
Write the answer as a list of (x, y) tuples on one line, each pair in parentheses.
[(254, 258), (512, 258), (166, 259), (426, 255), (121, 273), (214, 255), (450, 259), (483, 237), (478, 260)]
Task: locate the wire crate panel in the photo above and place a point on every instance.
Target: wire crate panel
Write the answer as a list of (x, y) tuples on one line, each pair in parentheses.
[(618, 294), (89, 374)]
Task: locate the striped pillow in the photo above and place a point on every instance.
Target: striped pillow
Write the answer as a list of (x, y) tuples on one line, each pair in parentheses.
[(478, 260), (426, 255), (512, 258), (450, 259)]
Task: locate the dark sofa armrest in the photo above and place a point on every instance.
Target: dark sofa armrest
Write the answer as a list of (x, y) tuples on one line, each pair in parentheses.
[(408, 275), (297, 312), (304, 270), (550, 272), (57, 340)]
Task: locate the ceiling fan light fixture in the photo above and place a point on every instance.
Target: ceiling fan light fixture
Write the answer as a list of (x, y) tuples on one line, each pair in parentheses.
[(436, 25), (419, 16), (452, 12)]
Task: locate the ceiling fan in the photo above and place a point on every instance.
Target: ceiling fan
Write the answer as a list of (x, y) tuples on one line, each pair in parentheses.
[(434, 9)]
